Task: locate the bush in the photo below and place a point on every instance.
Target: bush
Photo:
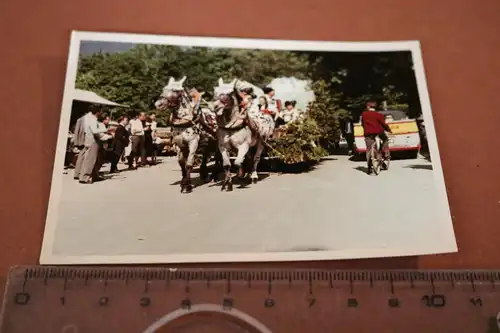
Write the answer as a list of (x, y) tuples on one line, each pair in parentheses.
[(298, 143)]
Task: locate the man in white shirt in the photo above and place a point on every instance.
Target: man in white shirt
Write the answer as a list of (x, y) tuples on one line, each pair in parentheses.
[(137, 140), (102, 139), (154, 124), (78, 141), (154, 136), (90, 147)]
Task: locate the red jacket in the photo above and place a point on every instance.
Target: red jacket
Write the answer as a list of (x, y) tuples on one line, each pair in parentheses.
[(373, 123)]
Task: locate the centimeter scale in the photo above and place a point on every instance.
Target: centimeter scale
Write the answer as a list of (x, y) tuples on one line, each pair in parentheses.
[(142, 300)]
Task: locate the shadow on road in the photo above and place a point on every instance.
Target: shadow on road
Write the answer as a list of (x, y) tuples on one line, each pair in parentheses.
[(241, 183), (395, 156), (418, 167), (363, 169), (275, 166)]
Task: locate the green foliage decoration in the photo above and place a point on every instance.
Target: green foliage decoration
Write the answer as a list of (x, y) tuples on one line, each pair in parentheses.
[(298, 143)]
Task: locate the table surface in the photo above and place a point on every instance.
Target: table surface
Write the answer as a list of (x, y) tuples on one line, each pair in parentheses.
[(459, 39)]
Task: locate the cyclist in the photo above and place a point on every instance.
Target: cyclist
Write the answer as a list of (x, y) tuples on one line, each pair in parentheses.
[(374, 125)]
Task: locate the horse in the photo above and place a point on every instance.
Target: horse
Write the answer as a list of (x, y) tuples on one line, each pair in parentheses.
[(192, 125), (240, 126)]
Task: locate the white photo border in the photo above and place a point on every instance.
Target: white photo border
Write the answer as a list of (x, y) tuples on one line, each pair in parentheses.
[(448, 244)]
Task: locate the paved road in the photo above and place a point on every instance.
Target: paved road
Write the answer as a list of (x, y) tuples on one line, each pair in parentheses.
[(335, 207)]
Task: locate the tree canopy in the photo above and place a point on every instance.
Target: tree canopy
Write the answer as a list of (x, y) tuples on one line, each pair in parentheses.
[(342, 82), (136, 76)]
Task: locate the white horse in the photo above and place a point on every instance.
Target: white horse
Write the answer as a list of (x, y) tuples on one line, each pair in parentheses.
[(190, 125), (240, 126)]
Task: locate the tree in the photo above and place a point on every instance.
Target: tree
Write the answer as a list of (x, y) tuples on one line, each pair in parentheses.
[(381, 76), (136, 77), (326, 111)]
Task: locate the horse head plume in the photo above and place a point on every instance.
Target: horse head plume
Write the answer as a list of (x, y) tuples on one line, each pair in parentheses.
[(171, 80), (175, 85)]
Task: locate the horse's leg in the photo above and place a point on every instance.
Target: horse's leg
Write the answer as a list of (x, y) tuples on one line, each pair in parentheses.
[(213, 150), (249, 161), (238, 162), (204, 174), (226, 163), (256, 159), (191, 152), (203, 166), (181, 159)]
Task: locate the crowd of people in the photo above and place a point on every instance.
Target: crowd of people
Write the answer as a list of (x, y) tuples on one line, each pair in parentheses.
[(270, 105), (94, 141), (134, 141)]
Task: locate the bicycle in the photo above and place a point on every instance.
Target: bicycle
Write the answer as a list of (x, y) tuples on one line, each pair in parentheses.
[(375, 160)]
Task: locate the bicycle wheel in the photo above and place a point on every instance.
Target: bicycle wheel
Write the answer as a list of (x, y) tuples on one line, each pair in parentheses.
[(376, 166), (376, 163), (386, 164)]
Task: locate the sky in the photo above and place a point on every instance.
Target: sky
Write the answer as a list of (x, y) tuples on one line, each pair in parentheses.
[(89, 47)]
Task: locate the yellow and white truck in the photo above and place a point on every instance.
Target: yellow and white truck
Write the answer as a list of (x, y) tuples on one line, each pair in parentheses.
[(405, 136)]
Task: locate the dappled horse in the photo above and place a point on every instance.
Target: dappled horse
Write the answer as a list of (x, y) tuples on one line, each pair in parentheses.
[(240, 126), (190, 125)]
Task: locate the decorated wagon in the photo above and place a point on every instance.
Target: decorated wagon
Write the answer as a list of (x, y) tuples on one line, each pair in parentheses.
[(296, 136), (164, 141)]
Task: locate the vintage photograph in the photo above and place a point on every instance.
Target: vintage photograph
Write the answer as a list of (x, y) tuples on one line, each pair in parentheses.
[(188, 149)]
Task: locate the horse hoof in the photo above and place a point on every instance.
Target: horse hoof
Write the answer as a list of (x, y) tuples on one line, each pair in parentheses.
[(188, 189), (229, 188), (254, 180)]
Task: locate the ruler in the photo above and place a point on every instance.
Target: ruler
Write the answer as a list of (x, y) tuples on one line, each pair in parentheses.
[(146, 300)]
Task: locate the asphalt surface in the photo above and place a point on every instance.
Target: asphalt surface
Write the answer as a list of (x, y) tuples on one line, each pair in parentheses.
[(335, 207)]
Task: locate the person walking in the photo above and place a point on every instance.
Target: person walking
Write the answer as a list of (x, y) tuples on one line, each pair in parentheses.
[(91, 147), (120, 142), (138, 141)]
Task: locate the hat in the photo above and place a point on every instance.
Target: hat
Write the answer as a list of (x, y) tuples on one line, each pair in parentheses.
[(267, 90), (371, 104), (247, 90)]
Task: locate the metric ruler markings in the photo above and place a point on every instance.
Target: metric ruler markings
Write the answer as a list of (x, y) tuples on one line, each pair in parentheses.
[(430, 301), (269, 277)]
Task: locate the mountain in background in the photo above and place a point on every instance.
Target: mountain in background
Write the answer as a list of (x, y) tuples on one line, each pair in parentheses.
[(90, 47)]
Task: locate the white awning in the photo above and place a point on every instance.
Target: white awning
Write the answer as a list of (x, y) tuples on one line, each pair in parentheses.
[(92, 97)]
